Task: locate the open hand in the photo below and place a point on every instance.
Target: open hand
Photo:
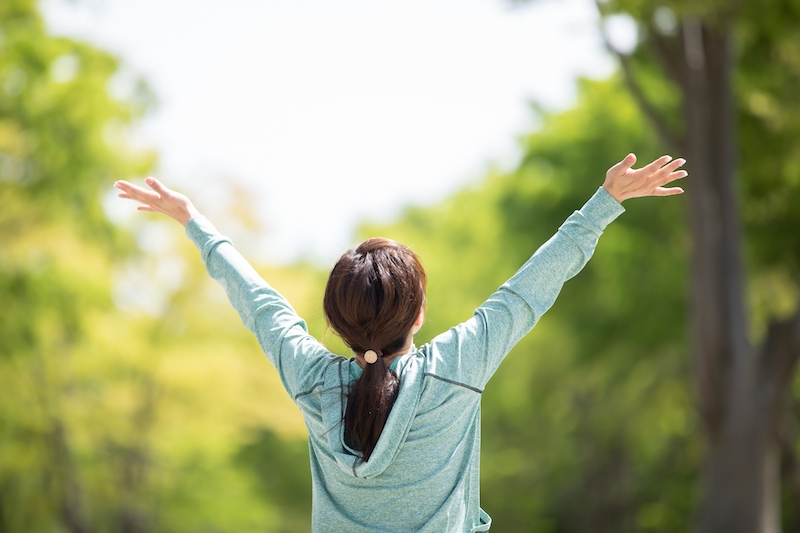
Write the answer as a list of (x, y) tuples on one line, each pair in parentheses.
[(160, 200), (623, 182)]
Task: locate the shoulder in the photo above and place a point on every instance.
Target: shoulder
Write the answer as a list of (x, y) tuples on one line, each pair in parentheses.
[(439, 369)]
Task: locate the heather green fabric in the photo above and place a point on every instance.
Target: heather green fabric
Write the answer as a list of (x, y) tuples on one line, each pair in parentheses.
[(424, 472)]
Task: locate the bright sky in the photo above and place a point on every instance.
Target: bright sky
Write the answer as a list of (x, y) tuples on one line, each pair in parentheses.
[(330, 112)]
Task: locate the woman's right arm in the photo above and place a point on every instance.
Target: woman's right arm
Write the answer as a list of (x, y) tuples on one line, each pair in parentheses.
[(282, 334)]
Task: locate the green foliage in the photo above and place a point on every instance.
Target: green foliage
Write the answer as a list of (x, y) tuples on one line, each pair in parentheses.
[(106, 420), (55, 260), (281, 467), (769, 116)]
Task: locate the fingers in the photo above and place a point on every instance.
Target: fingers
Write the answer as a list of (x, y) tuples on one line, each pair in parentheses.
[(667, 191), (624, 165), (667, 174), (672, 176), (670, 172), (656, 165), (157, 186), (134, 192), (678, 163)]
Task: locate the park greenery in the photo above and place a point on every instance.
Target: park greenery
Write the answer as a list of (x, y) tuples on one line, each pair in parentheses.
[(165, 417)]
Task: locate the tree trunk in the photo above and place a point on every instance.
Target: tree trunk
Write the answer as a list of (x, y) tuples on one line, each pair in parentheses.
[(740, 391), (70, 493)]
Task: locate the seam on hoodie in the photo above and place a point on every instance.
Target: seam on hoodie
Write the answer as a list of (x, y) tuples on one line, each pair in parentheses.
[(317, 384), (309, 391), (470, 387)]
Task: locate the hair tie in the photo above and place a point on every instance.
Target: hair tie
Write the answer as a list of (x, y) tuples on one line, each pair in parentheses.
[(370, 356)]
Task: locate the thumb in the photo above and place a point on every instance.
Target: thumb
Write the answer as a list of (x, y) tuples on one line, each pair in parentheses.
[(624, 165)]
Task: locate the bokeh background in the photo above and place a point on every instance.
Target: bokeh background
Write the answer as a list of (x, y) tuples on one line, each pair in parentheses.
[(658, 395)]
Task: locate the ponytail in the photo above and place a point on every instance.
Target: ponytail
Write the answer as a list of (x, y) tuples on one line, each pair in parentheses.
[(373, 297), (368, 405)]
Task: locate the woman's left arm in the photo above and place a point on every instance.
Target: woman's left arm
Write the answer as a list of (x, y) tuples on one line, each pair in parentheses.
[(471, 352)]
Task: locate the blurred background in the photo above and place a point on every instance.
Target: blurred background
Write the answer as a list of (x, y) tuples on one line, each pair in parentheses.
[(659, 393)]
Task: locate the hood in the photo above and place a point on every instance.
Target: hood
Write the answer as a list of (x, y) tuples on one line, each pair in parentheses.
[(395, 432)]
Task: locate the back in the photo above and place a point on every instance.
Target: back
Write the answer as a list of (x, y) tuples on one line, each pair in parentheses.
[(424, 474)]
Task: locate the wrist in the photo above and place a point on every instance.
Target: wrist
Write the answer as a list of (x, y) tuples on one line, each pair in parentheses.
[(188, 214), (616, 194)]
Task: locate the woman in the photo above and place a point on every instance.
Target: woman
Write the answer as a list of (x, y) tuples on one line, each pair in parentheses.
[(394, 432)]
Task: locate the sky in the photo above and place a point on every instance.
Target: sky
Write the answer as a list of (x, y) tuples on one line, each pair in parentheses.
[(326, 113)]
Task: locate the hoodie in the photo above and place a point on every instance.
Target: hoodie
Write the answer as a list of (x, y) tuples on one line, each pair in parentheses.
[(424, 473)]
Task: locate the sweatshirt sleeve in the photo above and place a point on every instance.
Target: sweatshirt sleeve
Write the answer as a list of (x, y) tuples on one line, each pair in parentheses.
[(299, 358), (471, 352)]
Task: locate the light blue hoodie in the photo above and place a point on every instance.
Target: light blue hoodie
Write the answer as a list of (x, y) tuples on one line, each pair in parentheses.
[(423, 475)]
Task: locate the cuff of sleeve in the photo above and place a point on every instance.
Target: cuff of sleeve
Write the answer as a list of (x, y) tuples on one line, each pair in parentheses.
[(602, 208), (203, 234)]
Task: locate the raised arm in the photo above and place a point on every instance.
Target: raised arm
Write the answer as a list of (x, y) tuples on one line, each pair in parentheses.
[(471, 352), (281, 333)]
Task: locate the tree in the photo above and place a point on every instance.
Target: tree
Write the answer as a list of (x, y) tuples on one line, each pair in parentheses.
[(59, 143), (733, 73)]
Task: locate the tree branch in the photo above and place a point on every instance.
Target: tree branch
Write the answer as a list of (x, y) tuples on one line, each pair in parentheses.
[(669, 56), (653, 115)]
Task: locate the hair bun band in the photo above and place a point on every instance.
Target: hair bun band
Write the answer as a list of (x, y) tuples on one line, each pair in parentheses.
[(370, 356)]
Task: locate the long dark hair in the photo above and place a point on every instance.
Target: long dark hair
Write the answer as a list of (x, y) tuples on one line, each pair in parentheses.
[(373, 297)]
